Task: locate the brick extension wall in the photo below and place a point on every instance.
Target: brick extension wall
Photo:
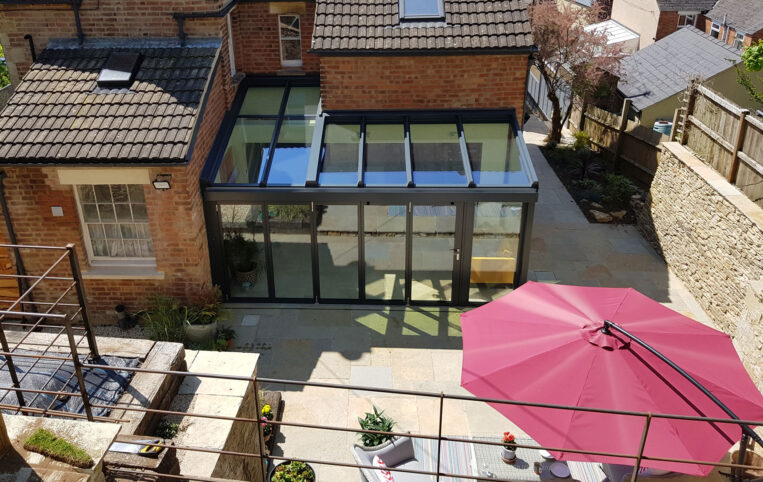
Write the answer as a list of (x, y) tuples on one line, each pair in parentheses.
[(256, 39), (176, 221), (424, 82)]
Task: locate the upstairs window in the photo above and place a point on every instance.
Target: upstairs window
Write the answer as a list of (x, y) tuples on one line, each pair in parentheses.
[(738, 40), (715, 30), (422, 10), (687, 18), (291, 40)]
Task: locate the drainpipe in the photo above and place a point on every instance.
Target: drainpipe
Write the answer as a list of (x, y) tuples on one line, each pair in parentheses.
[(20, 270), (77, 22), (32, 51)]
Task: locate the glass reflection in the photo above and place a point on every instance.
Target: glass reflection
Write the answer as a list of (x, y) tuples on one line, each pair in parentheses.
[(495, 244), (338, 251), (385, 155), (245, 156), (291, 248), (292, 153), (436, 155), (244, 250), (339, 166), (494, 155), (384, 238), (433, 241)]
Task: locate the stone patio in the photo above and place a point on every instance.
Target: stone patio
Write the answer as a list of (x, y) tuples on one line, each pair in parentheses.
[(420, 348)]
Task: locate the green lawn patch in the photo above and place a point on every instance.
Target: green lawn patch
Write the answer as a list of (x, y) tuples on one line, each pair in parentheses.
[(46, 443)]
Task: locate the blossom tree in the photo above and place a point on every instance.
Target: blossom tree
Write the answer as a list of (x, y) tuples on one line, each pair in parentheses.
[(571, 60)]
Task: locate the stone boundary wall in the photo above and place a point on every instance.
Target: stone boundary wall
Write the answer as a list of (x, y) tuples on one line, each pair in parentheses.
[(711, 236)]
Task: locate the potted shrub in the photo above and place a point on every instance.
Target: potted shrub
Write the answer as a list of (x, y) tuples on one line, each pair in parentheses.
[(509, 452), (224, 338), (241, 255), (375, 421), (164, 319), (201, 317), (266, 414), (293, 471)]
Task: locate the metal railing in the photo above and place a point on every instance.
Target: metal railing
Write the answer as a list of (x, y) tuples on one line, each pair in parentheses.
[(62, 324)]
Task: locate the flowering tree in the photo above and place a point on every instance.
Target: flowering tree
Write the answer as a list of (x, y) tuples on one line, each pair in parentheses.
[(570, 60)]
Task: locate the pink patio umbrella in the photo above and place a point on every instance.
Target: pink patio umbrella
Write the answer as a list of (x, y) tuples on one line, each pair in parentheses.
[(545, 343)]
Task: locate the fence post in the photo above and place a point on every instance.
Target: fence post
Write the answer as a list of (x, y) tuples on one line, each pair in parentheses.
[(674, 127), (689, 111), (581, 122), (77, 367), (621, 130), (82, 300), (738, 146)]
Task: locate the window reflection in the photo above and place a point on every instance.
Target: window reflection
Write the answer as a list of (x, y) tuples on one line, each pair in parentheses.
[(385, 155), (292, 153), (339, 163), (436, 155)]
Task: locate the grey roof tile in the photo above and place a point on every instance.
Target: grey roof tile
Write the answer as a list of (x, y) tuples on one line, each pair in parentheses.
[(742, 15), (664, 68), (374, 26), (58, 115)]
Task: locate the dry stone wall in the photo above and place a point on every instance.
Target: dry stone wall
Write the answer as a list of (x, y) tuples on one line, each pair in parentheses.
[(711, 236)]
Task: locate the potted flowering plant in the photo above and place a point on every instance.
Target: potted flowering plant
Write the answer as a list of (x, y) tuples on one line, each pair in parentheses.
[(508, 454), (266, 415)]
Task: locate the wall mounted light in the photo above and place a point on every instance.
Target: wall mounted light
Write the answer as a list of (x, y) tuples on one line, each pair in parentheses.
[(162, 182)]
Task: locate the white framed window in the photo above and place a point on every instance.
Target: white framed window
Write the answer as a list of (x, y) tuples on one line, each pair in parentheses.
[(715, 30), (687, 18), (291, 40), (115, 224), (738, 40)]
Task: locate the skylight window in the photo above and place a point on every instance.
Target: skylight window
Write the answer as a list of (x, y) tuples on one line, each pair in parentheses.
[(119, 70), (422, 10)]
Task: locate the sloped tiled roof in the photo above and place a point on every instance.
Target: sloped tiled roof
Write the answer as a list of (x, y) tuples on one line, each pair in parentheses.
[(59, 115), (743, 15), (664, 68), (374, 26), (685, 5)]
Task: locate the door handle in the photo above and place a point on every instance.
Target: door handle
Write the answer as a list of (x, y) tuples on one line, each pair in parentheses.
[(457, 252)]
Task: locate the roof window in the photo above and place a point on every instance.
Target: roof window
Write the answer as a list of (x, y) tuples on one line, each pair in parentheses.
[(414, 10), (119, 70)]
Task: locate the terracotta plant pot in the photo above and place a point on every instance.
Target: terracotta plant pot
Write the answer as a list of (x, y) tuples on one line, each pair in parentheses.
[(200, 333)]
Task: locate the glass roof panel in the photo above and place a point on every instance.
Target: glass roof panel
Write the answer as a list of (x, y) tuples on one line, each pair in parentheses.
[(292, 153), (494, 155), (385, 155), (422, 8), (436, 155), (303, 101), (340, 155), (262, 101), (247, 150)]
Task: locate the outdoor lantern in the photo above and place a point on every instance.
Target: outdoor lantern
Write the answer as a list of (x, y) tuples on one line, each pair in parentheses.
[(162, 182)]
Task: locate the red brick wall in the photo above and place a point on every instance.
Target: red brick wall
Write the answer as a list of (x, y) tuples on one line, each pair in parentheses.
[(417, 82), (256, 40), (100, 18), (176, 220), (666, 25)]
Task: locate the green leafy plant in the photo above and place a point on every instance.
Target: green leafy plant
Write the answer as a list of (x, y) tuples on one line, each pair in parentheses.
[(293, 472), (166, 429), (4, 77), (290, 212), (48, 444), (375, 421), (585, 165), (206, 308), (226, 334), (550, 145), (588, 189), (582, 141), (618, 190), (752, 60), (241, 254), (164, 319)]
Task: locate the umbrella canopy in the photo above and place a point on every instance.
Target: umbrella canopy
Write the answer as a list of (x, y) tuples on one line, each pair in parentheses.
[(543, 343)]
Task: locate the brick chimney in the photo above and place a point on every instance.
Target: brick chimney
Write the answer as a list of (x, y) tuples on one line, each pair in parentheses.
[(5, 442)]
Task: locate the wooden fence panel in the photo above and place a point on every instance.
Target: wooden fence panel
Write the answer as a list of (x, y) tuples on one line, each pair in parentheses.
[(752, 145), (750, 182)]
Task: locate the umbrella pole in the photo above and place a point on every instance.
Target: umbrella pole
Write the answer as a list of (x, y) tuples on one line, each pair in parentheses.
[(746, 430)]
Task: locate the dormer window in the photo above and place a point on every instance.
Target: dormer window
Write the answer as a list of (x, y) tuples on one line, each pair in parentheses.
[(422, 10)]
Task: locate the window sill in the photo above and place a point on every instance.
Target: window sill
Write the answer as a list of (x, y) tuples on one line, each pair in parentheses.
[(123, 272)]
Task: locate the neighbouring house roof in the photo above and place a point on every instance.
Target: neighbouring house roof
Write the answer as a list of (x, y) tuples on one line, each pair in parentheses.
[(664, 68), (367, 26), (742, 15), (615, 31), (59, 115), (685, 5)]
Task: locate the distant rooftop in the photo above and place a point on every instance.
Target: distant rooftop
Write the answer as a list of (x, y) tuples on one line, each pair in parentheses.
[(664, 68), (60, 115), (685, 5), (743, 15), (615, 31), (366, 26)]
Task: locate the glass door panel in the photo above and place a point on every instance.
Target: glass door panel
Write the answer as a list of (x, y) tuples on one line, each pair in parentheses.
[(495, 244), (433, 256), (244, 250), (291, 249), (337, 236), (384, 237)]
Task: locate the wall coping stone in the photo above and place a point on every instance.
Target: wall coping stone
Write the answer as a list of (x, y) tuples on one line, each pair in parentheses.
[(740, 201)]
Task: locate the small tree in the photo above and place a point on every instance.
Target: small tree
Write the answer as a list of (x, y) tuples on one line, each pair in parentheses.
[(570, 60), (752, 58)]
